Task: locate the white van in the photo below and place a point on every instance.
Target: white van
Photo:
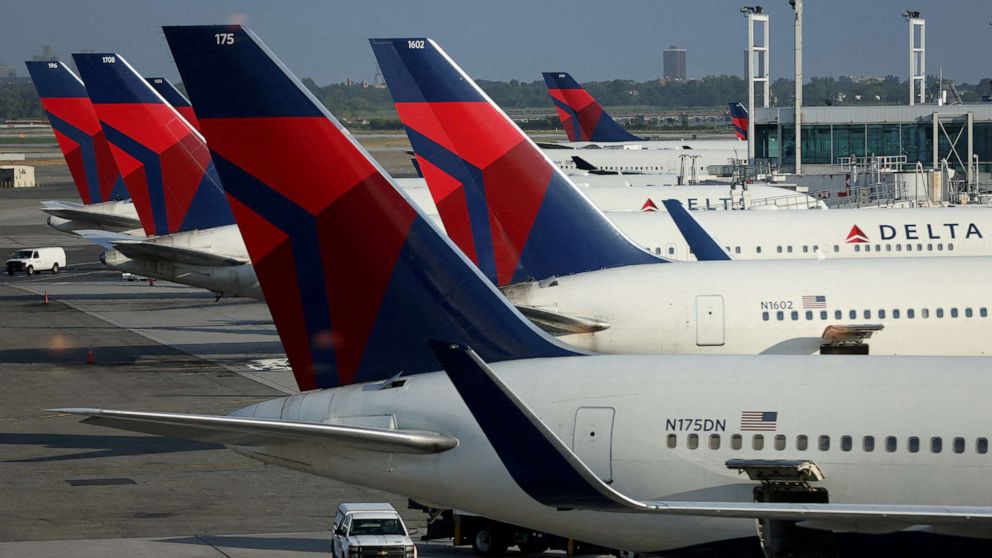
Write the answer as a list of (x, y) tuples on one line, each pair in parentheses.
[(35, 260)]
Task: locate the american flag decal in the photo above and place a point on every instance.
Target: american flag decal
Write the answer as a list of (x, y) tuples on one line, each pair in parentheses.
[(814, 301), (759, 421)]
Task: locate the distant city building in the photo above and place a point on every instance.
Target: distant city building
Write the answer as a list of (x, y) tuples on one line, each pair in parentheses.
[(673, 59), (7, 71), (47, 53)]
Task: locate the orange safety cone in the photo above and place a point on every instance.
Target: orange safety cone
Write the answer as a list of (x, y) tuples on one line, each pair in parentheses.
[(90, 359), (46, 296)]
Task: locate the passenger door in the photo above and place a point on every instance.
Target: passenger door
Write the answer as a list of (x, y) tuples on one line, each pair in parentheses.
[(592, 440), (709, 321)]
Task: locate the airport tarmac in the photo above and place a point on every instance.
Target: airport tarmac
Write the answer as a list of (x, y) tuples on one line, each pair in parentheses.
[(71, 489)]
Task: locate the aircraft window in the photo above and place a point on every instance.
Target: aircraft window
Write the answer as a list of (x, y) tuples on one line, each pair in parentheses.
[(794, 315), (735, 442), (779, 248), (857, 247), (788, 249), (867, 314), (898, 247), (823, 314), (805, 248), (802, 442), (671, 250), (764, 316), (809, 314), (881, 314), (757, 249), (914, 444), (836, 248), (867, 247), (909, 247), (780, 442), (940, 246), (888, 247), (929, 247), (868, 443), (895, 313), (838, 314), (657, 251), (891, 444), (950, 246), (780, 315), (737, 249), (692, 442), (983, 312), (824, 443), (714, 441), (853, 314), (968, 313), (954, 312), (958, 445), (982, 445), (910, 314), (815, 247), (845, 443), (940, 312), (919, 247), (924, 312), (936, 444), (758, 442)]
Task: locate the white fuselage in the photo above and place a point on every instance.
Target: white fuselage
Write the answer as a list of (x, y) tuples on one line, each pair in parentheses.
[(670, 160), (733, 145), (794, 235), (642, 411), (928, 306)]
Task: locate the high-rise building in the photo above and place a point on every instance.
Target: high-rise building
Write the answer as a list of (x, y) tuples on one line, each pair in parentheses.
[(673, 59)]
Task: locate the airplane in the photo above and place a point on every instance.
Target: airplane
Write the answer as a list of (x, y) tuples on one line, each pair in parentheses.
[(106, 203), (535, 235), (464, 404), (192, 238)]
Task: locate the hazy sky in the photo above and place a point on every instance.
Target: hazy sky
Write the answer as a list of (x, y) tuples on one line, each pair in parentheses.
[(504, 39)]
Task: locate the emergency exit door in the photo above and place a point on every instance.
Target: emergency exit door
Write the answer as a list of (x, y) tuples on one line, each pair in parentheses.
[(592, 440), (709, 320)]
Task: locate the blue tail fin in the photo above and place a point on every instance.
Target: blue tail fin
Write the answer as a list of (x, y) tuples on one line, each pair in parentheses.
[(582, 117), (78, 132), (164, 160), (356, 278), (739, 118), (700, 242), (504, 203)]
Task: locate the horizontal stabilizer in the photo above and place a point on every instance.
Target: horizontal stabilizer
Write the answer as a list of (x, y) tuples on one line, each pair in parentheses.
[(81, 213), (837, 335), (561, 324), (239, 431), (547, 469), (188, 256), (103, 239)]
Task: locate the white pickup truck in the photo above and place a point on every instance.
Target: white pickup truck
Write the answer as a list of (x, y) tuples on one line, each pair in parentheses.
[(371, 531), (34, 260)]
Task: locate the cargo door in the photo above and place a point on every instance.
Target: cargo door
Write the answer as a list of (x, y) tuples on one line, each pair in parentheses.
[(709, 320), (592, 440)]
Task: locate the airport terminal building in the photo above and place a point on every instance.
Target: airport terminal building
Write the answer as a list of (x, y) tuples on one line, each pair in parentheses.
[(831, 134)]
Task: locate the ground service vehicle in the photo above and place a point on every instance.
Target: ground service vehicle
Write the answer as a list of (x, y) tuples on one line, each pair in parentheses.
[(31, 260), (370, 530)]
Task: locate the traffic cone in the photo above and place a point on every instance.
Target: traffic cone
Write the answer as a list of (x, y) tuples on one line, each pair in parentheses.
[(46, 296), (90, 359)]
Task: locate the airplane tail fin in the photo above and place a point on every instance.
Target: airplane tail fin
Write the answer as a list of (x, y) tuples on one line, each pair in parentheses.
[(739, 118), (583, 118), (164, 160), (174, 97), (502, 201), (357, 279), (703, 246), (78, 132)]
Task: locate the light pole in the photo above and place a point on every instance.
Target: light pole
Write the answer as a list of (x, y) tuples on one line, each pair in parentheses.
[(757, 68), (797, 6), (917, 56)]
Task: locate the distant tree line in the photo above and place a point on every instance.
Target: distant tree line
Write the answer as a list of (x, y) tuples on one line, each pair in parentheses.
[(371, 107)]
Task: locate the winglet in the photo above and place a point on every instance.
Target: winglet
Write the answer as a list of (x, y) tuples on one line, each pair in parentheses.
[(164, 160), (502, 201), (700, 242), (582, 117), (355, 276), (78, 132)]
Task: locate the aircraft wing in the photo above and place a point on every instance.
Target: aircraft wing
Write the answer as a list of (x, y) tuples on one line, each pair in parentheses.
[(561, 324), (154, 251), (75, 212), (544, 466), (103, 239), (241, 431)]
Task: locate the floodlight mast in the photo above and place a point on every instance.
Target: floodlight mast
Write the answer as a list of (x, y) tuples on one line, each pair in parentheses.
[(797, 6), (917, 56), (757, 63)]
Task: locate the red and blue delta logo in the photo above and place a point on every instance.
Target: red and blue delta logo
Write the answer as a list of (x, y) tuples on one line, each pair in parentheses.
[(856, 236)]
